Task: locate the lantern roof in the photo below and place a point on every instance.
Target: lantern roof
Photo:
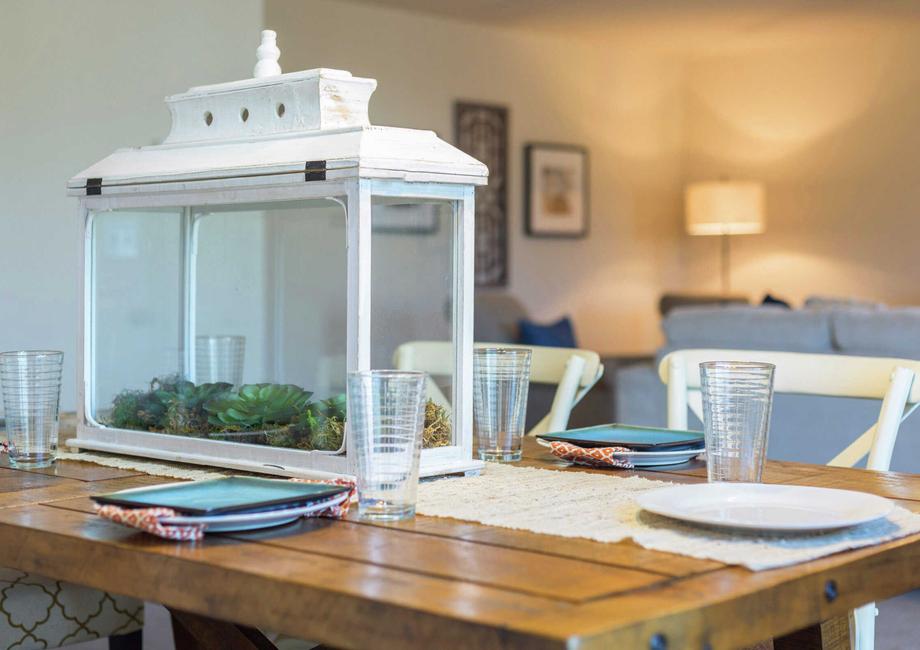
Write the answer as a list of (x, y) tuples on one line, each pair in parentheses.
[(277, 128)]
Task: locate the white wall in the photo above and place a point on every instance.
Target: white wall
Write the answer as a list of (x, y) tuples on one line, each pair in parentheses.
[(624, 104), (830, 125), (81, 79)]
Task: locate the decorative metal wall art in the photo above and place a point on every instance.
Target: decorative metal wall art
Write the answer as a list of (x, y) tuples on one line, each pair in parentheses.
[(481, 130)]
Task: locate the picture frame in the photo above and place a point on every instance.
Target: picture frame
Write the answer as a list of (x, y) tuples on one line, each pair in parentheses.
[(556, 202)]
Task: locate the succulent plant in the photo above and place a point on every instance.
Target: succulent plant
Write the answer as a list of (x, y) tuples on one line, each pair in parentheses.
[(144, 410), (185, 412), (135, 409), (333, 407), (170, 404), (258, 405), (320, 426)]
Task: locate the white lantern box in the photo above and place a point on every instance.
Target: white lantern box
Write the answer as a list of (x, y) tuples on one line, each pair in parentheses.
[(273, 242)]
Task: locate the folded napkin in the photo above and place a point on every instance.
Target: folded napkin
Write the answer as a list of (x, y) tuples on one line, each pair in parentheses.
[(149, 519), (588, 456)]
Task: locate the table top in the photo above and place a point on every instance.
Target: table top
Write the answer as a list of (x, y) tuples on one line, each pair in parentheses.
[(433, 582)]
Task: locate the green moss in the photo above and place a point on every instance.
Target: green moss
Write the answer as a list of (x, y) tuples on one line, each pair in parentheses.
[(437, 426)]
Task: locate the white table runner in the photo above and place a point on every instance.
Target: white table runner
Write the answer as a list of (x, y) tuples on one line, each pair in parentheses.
[(603, 508)]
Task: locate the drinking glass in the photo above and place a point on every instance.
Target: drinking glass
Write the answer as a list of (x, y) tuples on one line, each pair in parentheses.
[(31, 384), (219, 358), (737, 401), (386, 410), (501, 379)]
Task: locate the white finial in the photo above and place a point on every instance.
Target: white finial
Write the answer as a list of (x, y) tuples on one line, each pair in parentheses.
[(268, 53)]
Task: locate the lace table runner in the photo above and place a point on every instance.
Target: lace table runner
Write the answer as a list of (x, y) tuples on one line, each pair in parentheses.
[(603, 508)]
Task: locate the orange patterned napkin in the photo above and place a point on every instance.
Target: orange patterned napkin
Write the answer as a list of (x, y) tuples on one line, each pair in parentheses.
[(589, 456), (148, 519)]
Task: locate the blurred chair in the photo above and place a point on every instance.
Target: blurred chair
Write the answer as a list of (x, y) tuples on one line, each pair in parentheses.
[(44, 613), (574, 372), (889, 380)]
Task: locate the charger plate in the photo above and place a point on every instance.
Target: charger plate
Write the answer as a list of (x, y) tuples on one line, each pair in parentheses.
[(755, 506), (253, 520), (224, 495), (629, 436)]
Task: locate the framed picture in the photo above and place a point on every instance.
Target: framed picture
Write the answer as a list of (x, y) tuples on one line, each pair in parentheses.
[(481, 130), (556, 190)]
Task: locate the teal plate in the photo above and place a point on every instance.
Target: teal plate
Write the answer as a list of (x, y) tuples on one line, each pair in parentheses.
[(631, 437), (223, 495)]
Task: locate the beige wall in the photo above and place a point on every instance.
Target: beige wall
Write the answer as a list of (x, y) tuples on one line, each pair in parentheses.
[(81, 79), (832, 126), (623, 104), (828, 123)]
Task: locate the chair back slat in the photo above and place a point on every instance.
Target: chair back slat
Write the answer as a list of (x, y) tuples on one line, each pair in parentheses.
[(806, 374), (889, 380)]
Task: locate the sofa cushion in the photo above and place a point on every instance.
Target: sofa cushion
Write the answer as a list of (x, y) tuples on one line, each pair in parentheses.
[(748, 328), (877, 333)]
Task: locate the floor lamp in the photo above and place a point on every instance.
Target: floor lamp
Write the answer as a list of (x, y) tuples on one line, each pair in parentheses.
[(725, 208)]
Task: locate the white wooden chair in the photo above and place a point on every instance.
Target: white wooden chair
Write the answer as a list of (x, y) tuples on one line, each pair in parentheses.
[(42, 613), (573, 371), (889, 380)]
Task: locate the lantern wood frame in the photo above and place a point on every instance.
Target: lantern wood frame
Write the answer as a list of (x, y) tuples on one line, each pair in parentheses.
[(349, 164)]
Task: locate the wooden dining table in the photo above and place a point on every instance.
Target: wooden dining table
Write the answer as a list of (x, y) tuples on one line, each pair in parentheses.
[(437, 583)]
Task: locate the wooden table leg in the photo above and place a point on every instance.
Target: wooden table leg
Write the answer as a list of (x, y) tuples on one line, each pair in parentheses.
[(833, 634), (194, 632)]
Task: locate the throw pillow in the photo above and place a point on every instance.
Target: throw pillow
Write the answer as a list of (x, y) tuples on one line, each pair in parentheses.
[(770, 299), (560, 334)]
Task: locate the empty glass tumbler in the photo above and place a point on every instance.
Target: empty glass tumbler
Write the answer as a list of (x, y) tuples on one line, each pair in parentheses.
[(501, 379), (737, 401), (386, 410), (219, 359), (31, 384)]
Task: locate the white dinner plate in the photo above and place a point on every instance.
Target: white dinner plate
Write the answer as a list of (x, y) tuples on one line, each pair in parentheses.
[(254, 520), (657, 458), (765, 507)]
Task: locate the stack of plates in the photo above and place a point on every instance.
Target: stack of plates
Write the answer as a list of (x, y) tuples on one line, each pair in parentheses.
[(647, 446), (658, 458), (253, 520), (234, 503)]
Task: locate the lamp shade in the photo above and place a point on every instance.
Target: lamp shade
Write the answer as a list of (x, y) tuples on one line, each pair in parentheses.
[(725, 208)]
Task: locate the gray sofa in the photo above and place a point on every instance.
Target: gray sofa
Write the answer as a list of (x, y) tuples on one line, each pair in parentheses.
[(804, 428)]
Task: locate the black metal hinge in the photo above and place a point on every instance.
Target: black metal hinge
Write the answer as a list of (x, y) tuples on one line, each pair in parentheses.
[(93, 186), (315, 170)]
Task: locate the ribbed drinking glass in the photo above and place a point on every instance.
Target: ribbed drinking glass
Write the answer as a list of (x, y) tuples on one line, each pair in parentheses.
[(31, 384), (501, 380), (386, 410), (737, 402), (219, 359)]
